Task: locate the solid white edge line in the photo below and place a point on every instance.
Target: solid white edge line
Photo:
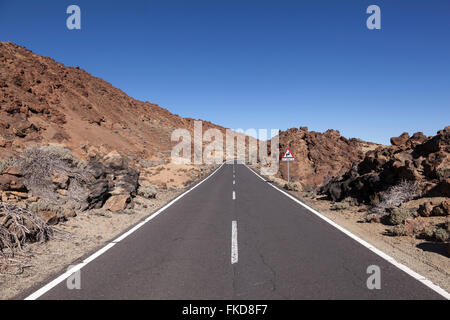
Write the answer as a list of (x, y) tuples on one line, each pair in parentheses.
[(98, 253), (234, 243), (378, 252)]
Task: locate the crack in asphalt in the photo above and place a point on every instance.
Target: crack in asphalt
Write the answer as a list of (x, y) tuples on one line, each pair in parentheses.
[(273, 280)]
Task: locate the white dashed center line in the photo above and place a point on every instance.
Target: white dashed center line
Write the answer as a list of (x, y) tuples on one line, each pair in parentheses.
[(234, 243)]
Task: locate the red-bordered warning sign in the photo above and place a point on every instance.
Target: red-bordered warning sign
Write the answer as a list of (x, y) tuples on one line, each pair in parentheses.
[(288, 156)]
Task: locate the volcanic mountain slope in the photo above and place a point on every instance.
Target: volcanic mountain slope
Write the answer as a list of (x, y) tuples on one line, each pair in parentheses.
[(319, 156), (43, 101)]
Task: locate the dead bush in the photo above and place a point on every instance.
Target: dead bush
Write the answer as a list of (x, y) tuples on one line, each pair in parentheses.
[(18, 226), (39, 164), (395, 196)]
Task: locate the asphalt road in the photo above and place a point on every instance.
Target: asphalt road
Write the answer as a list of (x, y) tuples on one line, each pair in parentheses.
[(238, 238)]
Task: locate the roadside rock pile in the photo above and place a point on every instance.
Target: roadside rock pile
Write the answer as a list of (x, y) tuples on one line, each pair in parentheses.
[(428, 209), (319, 156), (421, 160), (117, 184), (53, 176)]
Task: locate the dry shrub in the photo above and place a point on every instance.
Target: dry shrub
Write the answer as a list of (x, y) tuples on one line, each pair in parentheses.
[(18, 226), (395, 196), (44, 206), (39, 164), (6, 163), (397, 231), (441, 235), (293, 186), (148, 192), (399, 216)]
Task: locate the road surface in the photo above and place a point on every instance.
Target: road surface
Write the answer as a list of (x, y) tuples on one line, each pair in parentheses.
[(236, 237)]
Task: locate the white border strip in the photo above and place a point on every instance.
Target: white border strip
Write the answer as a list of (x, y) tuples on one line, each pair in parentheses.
[(380, 253), (95, 255)]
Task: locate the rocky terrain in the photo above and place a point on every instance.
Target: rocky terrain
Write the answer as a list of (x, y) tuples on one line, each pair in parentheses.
[(406, 186), (419, 159), (319, 156), (43, 101)]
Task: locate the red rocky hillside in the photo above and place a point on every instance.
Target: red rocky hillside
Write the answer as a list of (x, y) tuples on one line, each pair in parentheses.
[(43, 101)]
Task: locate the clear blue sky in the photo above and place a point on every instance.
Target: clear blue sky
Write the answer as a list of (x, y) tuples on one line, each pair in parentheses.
[(259, 64)]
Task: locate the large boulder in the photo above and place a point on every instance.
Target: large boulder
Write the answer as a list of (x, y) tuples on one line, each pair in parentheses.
[(442, 209), (113, 185), (400, 140), (425, 209), (114, 160), (118, 203), (98, 193), (49, 217)]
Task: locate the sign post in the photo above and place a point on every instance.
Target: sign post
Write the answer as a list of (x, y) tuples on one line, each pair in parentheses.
[(288, 156)]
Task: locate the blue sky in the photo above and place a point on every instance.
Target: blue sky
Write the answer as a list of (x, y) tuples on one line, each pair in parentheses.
[(259, 64)]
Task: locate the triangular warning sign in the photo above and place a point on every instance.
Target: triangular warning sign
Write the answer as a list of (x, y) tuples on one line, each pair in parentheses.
[(288, 154)]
